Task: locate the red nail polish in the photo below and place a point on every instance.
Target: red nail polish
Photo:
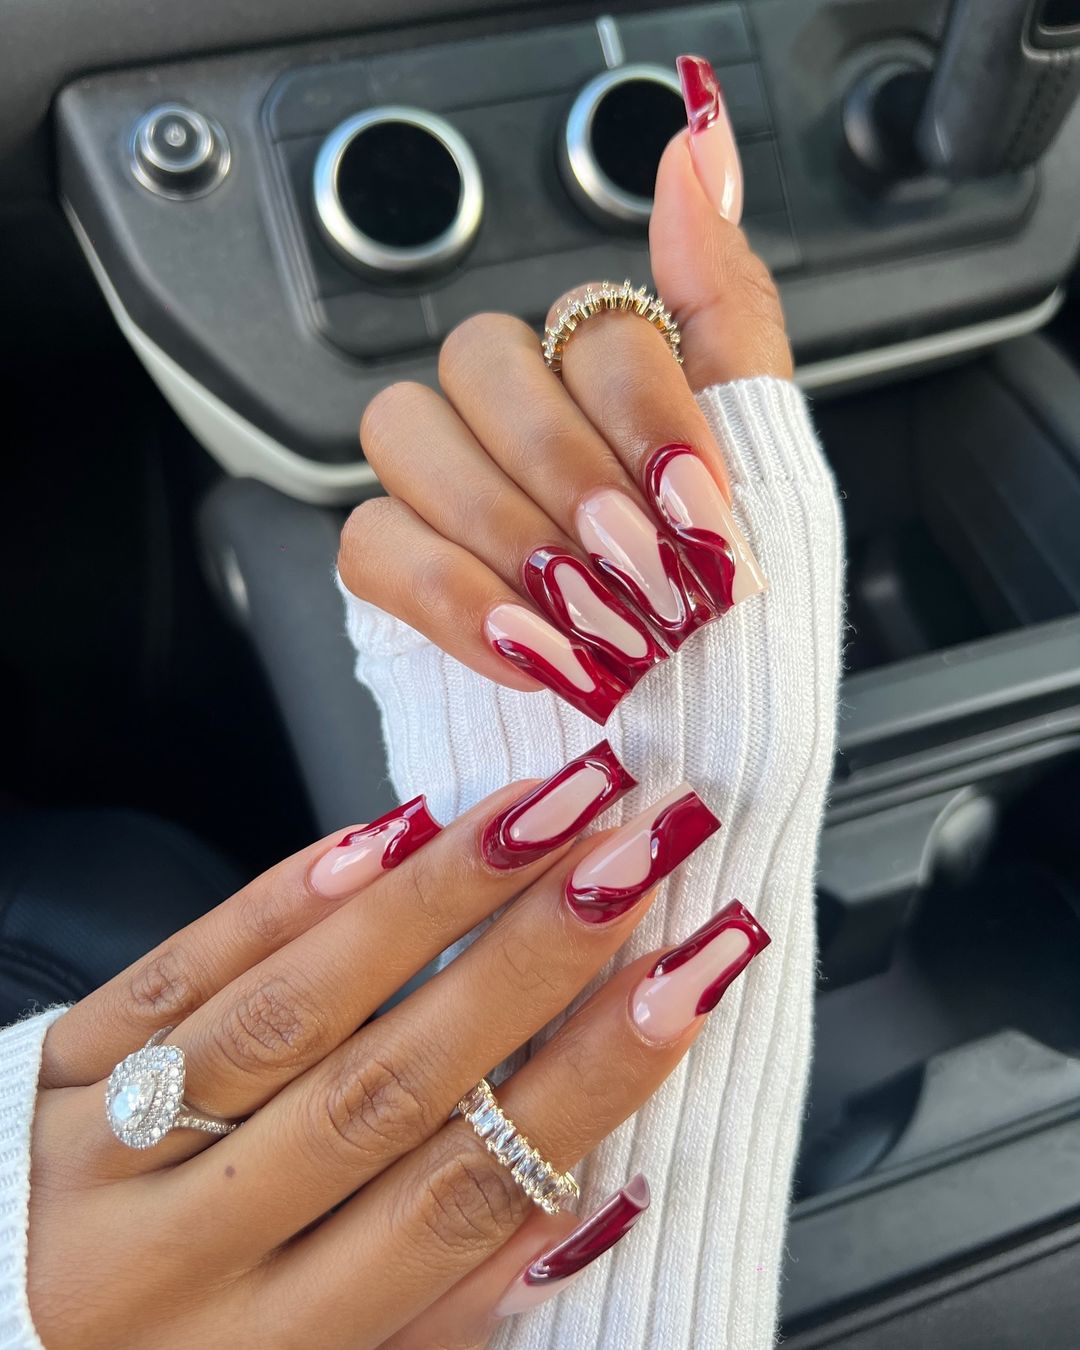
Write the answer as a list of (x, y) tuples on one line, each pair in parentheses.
[(701, 91), (712, 140), (557, 810), (691, 979), (551, 1271), (625, 545), (577, 600), (618, 872), (359, 856), (689, 501), (565, 666)]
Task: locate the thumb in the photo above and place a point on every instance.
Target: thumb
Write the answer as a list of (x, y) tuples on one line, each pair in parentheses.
[(720, 292)]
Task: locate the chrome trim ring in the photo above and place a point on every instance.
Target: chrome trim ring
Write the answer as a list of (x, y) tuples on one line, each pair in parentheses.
[(195, 174), (586, 180), (360, 249)]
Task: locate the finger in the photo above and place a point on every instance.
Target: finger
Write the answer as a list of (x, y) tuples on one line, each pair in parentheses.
[(620, 372), (187, 969), (719, 291), (395, 1083), (540, 1260), (395, 560), (465, 496), (448, 1206), (287, 1013), (559, 458)]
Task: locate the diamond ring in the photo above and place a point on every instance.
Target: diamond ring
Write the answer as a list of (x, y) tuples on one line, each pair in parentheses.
[(576, 309), (144, 1098), (540, 1181)]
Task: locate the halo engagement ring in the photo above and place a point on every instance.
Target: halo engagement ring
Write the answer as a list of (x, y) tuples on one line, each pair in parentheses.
[(144, 1098)]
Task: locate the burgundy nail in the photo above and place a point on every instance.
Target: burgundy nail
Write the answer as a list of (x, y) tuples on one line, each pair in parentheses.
[(691, 504), (567, 667), (625, 545), (555, 1268), (690, 980), (712, 141), (362, 854), (557, 810), (618, 872), (575, 598)]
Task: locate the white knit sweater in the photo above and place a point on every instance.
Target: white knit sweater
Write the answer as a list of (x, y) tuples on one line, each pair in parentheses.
[(745, 712)]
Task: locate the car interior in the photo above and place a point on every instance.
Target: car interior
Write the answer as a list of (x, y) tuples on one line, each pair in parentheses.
[(224, 226)]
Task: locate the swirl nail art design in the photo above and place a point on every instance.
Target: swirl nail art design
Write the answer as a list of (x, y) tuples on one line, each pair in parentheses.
[(550, 1272), (625, 545), (618, 872), (557, 810), (690, 980), (363, 853), (691, 504), (578, 601), (565, 666), (712, 141)]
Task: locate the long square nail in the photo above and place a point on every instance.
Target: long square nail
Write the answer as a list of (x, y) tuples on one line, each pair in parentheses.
[(568, 668), (691, 504), (626, 546), (557, 810), (575, 599), (362, 854), (690, 980), (550, 1272), (622, 867)]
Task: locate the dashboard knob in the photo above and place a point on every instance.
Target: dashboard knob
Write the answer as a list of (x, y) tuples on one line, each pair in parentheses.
[(177, 152)]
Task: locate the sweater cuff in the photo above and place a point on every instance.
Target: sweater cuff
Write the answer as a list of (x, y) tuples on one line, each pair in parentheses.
[(765, 431), (20, 1067)]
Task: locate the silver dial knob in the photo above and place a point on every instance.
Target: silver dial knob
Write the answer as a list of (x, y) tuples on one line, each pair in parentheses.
[(177, 152)]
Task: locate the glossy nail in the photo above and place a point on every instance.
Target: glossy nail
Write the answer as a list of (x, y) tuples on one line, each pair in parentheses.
[(575, 598), (567, 667), (690, 981), (559, 1266), (557, 810), (362, 854), (618, 872), (712, 140), (626, 546), (690, 502)]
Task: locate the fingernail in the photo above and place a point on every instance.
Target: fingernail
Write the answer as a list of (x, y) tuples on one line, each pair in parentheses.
[(362, 854), (568, 668), (690, 981), (576, 599), (712, 141), (621, 868), (695, 510), (626, 546), (557, 810), (559, 1266)]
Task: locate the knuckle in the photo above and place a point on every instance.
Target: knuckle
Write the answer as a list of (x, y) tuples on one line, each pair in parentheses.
[(390, 409), (274, 1023), (373, 1109), (468, 1201), (362, 539), (533, 976), (164, 988), (474, 338), (266, 916)]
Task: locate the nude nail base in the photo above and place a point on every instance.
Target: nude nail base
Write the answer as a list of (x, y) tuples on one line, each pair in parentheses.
[(557, 810), (363, 853), (553, 1270), (690, 980)]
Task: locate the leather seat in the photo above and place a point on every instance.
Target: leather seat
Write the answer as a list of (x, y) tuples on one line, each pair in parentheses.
[(84, 893)]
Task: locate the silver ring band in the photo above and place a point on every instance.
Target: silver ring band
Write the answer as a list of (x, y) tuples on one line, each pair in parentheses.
[(540, 1181), (575, 310), (144, 1097)]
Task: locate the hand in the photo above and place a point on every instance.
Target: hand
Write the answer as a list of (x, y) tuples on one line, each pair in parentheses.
[(348, 1210), (501, 491)]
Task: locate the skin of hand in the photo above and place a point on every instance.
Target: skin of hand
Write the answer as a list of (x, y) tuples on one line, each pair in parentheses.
[(349, 1209)]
